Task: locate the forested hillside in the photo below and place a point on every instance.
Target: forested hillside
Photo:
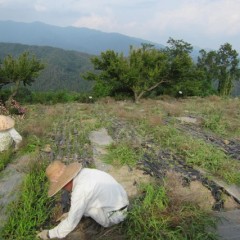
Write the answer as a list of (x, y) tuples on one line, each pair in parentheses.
[(62, 70)]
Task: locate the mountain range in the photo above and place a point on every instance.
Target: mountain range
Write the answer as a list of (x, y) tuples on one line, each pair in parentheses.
[(66, 51), (70, 38)]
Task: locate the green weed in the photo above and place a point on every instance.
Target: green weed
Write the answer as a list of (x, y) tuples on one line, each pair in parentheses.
[(214, 122), (31, 211), (154, 216), (5, 158), (122, 154), (31, 144)]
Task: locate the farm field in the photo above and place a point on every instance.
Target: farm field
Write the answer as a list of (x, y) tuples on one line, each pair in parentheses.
[(179, 160)]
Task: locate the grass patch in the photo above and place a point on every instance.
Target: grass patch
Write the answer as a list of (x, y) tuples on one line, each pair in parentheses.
[(122, 154), (214, 122), (31, 211), (155, 216), (195, 152), (5, 158), (30, 144), (220, 115)]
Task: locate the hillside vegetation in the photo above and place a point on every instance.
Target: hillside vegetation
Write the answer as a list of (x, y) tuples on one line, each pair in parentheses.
[(62, 70)]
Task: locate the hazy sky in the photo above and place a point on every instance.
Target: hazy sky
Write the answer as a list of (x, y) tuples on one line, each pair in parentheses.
[(203, 23)]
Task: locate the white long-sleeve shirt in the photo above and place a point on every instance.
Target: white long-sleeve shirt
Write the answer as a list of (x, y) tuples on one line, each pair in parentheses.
[(7, 137), (94, 194)]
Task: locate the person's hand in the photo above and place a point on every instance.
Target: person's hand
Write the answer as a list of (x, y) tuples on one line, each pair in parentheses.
[(43, 234), (64, 216)]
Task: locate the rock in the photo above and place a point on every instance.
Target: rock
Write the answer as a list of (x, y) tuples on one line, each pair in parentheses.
[(47, 148), (187, 119), (11, 179), (100, 137), (226, 142)]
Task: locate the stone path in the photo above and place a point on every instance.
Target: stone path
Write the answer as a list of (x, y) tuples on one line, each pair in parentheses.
[(10, 180), (128, 178), (229, 225), (99, 141)]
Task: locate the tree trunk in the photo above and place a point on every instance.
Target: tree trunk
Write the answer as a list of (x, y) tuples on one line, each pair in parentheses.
[(225, 86), (137, 97)]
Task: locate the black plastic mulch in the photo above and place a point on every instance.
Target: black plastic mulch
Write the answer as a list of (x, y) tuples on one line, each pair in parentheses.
[(164, 160)]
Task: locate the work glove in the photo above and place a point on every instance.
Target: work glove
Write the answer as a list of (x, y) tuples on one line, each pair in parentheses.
[(64, 216), (43, 234)]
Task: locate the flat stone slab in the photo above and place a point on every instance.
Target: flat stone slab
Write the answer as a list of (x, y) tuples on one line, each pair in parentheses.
[(99, 140), (10, 180), (187, 119), (232, 190), (100, 137), (229, 225)]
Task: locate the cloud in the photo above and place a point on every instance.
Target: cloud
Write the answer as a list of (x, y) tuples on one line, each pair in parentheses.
[(105, 20), (210, 17), (40, 7), (94, 21), (155, 20)]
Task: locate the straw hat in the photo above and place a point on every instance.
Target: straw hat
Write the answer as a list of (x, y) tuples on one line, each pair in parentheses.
[(60, 174), (6, 123)]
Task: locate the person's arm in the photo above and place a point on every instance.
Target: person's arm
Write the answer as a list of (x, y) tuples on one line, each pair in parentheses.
[(79, 201)]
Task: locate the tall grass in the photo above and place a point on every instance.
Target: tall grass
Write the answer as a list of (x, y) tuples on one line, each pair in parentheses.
[(5, 158), (154, 216), (122, 154), (32, 209)]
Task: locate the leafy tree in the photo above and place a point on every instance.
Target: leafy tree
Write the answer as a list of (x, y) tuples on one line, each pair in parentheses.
[(111, 69), (227, 68), (185, 76), (207, 63), (178, 47), (23, 69), (149, 68), (141, 72), (220, 66)]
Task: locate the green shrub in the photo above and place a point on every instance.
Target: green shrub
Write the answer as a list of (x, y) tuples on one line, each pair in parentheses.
[(102, 89), (24, 95), (4, 94)]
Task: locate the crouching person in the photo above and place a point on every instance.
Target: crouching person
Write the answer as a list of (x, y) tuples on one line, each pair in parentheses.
[(8, 134), (94, 194)]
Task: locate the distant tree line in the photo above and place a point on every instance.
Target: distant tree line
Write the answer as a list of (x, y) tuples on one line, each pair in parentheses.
[(170, 70), (146, 71)]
